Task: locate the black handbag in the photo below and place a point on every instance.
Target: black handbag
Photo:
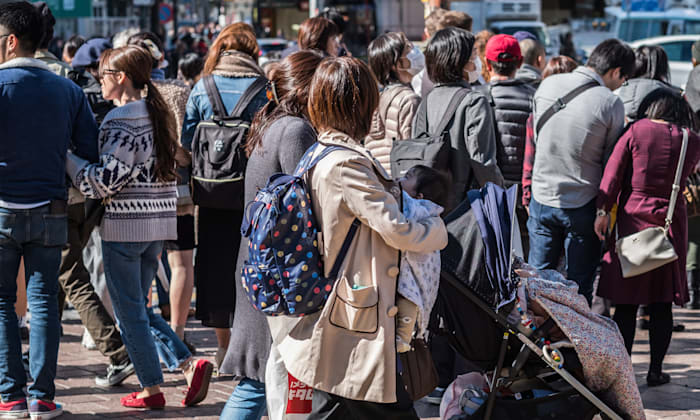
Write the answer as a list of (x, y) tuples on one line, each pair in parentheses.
[(418, 370)]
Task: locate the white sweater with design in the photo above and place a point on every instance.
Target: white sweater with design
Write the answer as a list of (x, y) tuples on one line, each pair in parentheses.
[(140, 207)]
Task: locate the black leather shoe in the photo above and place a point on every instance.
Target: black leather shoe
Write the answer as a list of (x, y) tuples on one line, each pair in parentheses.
[(656, 379)]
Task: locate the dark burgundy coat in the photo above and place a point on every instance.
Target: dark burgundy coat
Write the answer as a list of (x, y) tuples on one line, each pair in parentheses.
[(639, 177)]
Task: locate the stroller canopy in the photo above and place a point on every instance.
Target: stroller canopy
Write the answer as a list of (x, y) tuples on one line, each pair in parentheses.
[(479, 251)]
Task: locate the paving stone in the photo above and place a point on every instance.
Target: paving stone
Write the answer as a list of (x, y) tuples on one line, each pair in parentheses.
[(82, 399)]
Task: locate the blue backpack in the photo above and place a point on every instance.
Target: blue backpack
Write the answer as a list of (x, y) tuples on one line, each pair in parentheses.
[(284, 274)]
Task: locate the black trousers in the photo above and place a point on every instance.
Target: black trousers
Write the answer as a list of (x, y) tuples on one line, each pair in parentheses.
[(660, 329), (215, 266), (332, 407)]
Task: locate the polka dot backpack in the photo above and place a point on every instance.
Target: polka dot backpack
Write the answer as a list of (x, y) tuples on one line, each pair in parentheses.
[(284, 273)]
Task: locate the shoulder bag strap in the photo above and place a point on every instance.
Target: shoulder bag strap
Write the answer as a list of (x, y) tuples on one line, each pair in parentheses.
[(451, 110), (677, 181), (561, 103), (214, 97), (248, 96)]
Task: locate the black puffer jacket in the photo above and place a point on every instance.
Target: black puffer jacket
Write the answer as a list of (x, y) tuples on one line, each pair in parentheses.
[(511, 101)]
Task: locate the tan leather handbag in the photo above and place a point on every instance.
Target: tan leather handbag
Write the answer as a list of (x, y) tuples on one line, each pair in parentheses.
[(650, 248)]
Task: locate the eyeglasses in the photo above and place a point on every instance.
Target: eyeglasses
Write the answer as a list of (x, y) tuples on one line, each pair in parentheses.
[(105, 72)]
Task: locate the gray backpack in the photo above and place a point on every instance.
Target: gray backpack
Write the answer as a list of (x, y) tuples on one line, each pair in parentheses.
[(430, 149)]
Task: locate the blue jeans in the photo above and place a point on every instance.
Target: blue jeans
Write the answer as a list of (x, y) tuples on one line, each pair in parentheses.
[(39, 237), (163, 296), (130, 268), (247, 401), (555, 231)]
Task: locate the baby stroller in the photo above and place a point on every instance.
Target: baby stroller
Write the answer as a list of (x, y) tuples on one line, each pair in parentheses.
[(474, 312)]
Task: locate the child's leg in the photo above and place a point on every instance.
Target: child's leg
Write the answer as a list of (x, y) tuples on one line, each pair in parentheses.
[(405, 323)]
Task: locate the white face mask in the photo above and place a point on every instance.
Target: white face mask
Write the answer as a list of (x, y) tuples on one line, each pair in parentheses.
[(417, 60), (474, 74)]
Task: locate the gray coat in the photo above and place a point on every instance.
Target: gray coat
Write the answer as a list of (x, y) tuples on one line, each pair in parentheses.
[(692, 90), (571, 149), (472, 138), (283, 145), (634, 91), (512, 104)]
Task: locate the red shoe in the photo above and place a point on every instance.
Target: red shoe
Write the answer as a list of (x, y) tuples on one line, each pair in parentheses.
[(199, 387), (154, 401)]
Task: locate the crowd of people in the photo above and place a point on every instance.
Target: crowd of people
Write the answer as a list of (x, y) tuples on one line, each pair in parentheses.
[(98, 197)]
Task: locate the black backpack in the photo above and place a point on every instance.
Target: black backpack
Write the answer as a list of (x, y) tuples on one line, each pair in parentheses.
[(428, 149), (218, 150)]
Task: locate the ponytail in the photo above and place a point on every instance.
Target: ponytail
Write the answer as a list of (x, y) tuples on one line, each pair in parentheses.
[(164, 135)]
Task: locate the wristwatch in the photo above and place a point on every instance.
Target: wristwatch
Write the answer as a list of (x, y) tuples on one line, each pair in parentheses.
[(601, 213)]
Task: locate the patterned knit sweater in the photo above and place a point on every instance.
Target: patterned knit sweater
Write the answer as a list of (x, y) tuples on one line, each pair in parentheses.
[(140, 208)]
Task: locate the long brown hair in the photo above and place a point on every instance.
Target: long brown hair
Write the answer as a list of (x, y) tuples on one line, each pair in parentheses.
[(136, 63), (343, 97), (315, 32), (238, 37), (291, 80)]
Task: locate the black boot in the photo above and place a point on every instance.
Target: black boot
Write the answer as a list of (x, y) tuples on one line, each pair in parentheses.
[(694, 289)]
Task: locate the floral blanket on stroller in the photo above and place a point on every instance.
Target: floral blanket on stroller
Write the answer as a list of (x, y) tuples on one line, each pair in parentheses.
[(607, 367)]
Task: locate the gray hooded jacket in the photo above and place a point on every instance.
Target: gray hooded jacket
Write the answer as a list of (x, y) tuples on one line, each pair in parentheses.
[(472, 137), (634, 91)]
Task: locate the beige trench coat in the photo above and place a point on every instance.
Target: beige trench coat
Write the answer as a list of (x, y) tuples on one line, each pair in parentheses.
[(348, 348)]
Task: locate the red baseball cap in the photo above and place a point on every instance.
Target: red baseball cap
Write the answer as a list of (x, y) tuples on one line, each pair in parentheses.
[(499, 44)]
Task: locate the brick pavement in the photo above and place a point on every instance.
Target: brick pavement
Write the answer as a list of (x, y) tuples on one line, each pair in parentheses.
[(83, 400)]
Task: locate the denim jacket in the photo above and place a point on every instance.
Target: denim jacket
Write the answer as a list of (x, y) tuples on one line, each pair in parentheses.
[(199, 108)]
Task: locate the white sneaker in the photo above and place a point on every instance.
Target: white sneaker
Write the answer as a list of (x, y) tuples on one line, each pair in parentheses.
[(88, 342)]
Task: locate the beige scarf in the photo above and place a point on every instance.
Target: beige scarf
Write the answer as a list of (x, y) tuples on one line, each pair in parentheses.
[(237, 64)]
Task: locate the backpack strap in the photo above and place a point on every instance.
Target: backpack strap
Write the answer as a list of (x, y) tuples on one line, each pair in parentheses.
[(422, 118), (248, 96), (333, 275), (421, 125), (451, 110), (561, 103), (214, 97), (306, 163)]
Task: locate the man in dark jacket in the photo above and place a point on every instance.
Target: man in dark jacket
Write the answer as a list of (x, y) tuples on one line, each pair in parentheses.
[(511, 100), (43, 116)]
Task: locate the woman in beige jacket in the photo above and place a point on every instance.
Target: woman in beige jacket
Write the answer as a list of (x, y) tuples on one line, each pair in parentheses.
[(346, 352), (394, 61)]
